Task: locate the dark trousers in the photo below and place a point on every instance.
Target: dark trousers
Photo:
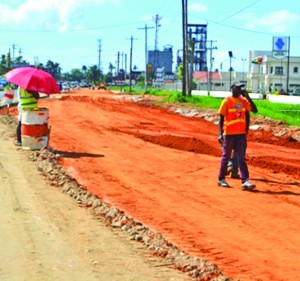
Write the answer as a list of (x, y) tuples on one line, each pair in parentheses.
[(238, 143), (18, 131), (235, 163)]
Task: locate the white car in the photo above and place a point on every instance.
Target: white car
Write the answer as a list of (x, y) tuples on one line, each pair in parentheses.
[(65, 87)]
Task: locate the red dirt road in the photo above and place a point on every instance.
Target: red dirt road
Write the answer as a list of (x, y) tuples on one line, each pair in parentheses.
[(161, 168)]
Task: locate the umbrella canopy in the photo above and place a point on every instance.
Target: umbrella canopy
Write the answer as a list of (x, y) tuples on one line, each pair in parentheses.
[(33, 79)]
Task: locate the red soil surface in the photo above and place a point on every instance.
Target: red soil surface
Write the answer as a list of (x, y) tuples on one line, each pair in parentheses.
[(161, 168)]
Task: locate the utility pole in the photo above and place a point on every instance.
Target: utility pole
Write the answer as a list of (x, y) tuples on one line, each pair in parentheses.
[(230, 68), (288, 68), (36, 61), (99, 54), (157, 19), (125, 65), (13, 52), (118, 65), (184, 47), (243, 60), (122, 60), (211, 48), (146, 53), (130, 66)]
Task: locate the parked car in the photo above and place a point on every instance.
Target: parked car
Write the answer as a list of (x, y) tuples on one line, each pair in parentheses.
[(296, 93), (65, 87), (282, 92), (85, 85), (3, 83)]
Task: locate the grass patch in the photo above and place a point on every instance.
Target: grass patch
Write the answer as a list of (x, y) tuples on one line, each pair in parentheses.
[(289, 113)]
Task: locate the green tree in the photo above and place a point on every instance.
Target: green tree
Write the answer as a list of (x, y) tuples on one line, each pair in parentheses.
[(3, 65), (111, 68), (84, 69), (94, 75), (180, 71), (19, 61), (53, 68), (77, 75)]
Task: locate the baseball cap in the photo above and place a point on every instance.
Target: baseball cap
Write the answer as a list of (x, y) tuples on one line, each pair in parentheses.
[(237, 84)]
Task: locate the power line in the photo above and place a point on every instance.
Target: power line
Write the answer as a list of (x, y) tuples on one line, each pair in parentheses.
[(252, 4), (244, 29)]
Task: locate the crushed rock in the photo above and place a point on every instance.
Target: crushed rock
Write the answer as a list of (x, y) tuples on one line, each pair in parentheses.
[(47, 163)]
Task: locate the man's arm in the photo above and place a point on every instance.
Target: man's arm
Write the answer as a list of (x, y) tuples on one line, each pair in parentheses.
[(221, 123), (36, 95), (253, 106), (247, 121)]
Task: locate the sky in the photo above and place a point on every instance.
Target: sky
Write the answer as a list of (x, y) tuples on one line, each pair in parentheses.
[(75, 33)]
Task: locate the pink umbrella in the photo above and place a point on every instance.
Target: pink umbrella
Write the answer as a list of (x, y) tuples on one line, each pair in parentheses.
[(33, 79)]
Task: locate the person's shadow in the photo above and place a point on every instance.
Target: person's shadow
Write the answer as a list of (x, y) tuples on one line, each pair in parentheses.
[(282, 192), (69, 154)]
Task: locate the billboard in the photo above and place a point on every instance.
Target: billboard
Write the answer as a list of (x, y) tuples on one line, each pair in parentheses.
[(280, 48)]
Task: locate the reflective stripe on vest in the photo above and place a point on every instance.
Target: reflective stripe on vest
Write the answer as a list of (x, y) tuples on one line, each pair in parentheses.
[(235, 119), (27, 100)]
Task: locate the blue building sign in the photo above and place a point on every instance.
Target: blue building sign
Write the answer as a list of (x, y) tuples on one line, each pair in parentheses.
[(280, 47)]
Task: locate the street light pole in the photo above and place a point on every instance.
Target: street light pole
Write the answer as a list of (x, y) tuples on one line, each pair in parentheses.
[(230, 69), (243, 60)]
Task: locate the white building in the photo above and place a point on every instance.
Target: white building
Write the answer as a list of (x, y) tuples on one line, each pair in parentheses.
[(273, 74)]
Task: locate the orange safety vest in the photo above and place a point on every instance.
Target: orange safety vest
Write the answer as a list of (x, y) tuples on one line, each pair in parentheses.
[(236, 117)]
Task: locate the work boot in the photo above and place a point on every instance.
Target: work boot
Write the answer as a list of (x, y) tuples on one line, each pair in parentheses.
[(223, 183), (247, 185)]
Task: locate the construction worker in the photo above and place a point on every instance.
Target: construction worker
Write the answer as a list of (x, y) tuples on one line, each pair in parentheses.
[(232, 132), (27, 100), (233, 163)]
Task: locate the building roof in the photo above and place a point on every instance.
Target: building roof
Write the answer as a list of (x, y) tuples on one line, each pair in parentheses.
[(202, 76)]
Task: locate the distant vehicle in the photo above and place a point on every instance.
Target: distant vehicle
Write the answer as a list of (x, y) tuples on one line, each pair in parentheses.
[(65, 87), (296, 93), (85, 85), (102, 85), (3, 83), (283, 93)]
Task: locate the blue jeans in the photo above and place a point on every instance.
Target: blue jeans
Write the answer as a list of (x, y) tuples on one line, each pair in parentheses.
[(238, 143)]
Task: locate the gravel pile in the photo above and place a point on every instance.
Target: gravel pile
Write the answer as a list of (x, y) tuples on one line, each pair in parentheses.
[(47, 162)]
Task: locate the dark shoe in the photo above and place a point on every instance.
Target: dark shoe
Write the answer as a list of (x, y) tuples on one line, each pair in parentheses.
[(235, 176), (17, 143), (223, 183), (247, 185)]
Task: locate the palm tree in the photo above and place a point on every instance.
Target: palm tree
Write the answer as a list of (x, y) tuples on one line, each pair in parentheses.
[(53, 68), (94, 74), (84, 69)]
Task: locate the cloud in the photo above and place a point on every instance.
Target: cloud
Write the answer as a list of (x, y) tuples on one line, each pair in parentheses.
[(196, 7), (46, 14), (277, 22)]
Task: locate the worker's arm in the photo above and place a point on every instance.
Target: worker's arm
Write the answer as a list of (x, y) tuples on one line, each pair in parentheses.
[(36, 95), (253, 106), (221, 123), (247, 121)]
